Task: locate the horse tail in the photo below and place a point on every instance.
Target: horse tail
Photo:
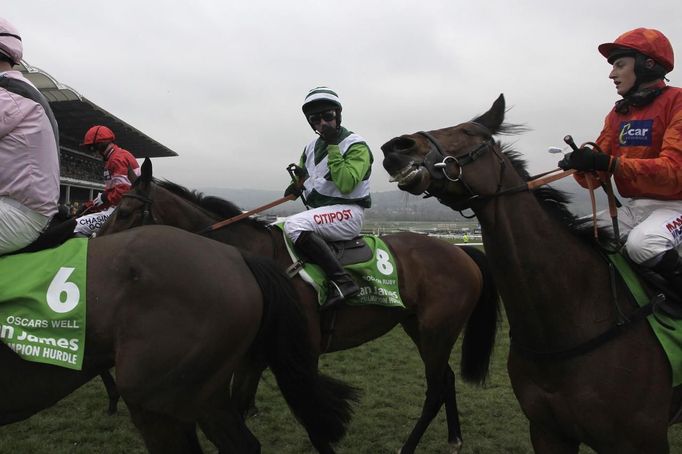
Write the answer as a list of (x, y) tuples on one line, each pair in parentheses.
[(321, 403), (479, 335)]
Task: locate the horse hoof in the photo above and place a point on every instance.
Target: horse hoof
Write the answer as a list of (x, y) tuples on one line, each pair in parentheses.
[(456, 446)]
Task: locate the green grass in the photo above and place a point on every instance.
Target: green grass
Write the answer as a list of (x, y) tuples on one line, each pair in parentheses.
[(388, 371)]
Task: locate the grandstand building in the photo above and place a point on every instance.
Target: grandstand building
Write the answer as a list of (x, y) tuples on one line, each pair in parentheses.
[(82, 173)]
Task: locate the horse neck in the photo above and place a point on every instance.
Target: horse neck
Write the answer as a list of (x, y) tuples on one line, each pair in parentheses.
[(248, 236), (554, 287)]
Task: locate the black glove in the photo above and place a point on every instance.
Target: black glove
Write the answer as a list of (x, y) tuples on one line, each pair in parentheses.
[(586, 159), (296, 170), (294, 189)]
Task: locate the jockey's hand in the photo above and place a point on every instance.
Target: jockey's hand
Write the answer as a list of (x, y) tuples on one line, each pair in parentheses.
[(295, 189), (296, 170), (586, 159), (100, 200)]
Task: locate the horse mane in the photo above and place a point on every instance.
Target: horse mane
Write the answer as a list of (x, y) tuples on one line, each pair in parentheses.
[(553, 200), (220, 207)]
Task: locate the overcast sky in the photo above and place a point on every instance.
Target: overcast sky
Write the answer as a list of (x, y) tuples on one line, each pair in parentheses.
[(222, 82)]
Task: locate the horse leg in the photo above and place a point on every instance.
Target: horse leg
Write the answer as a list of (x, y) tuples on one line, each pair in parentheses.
[(452, 411), (226, 429), (163, 434), (245, 386), (545, 442), (112, 391), (440, 387)]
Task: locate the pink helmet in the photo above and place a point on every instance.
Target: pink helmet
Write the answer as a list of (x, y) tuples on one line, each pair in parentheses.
[(10, 41)]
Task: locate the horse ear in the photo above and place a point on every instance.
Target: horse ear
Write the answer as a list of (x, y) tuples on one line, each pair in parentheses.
[(146, 170), (131, 175), (493, 118)]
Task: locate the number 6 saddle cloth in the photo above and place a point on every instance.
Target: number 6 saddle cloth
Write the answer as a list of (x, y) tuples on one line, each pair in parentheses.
[(42, 304), (376, 273)]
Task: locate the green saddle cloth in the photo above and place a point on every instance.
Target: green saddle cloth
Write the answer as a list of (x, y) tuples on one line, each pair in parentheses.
[(670, 339), (42, 304), (377, 277)]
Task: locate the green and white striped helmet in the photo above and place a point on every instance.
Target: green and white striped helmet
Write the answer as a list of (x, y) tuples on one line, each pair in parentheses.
[(320, 99)]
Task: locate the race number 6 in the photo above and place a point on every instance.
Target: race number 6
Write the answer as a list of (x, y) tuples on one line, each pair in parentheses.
[(383, 262), (60, 285)]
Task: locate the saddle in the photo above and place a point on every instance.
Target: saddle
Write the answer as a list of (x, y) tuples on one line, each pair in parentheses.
[(658, 290), (351, 251)]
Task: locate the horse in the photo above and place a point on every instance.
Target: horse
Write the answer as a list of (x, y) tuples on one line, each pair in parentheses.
[(576, 383), (441, 285), (175, 322)]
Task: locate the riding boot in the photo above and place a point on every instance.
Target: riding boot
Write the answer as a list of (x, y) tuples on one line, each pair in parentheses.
[(670, 267), (340, 283)]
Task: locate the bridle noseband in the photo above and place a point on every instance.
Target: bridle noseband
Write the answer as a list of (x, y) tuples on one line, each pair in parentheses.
[(436, 162)]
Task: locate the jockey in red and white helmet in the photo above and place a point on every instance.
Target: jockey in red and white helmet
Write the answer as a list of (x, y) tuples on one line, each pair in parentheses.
[(100, 139)]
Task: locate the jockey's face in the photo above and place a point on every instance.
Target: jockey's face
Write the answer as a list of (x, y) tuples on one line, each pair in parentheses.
[(325, 123), (623, 74)]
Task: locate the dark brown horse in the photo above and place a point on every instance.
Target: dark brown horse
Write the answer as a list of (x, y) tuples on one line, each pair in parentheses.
[(175, 313), (441, 285), (615, 396)]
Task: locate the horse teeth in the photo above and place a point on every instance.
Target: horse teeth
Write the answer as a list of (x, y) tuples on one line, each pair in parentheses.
[(407, 173)]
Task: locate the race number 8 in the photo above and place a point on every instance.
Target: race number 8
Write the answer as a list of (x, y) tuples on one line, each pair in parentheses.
[(60, 285), (383, 264)]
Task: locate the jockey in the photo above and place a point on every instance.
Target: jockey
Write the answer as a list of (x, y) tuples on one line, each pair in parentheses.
[(117, 161), (335, 183), (29, 151), (642, 144)]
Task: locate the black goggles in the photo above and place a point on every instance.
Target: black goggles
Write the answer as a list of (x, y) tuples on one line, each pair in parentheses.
[(326, 116)]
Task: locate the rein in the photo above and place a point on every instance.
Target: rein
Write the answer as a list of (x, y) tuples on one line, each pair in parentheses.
[(246, 214)]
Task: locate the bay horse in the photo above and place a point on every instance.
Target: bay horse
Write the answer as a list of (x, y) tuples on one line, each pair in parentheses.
[(441, 285), (175, 322), (615, 396)]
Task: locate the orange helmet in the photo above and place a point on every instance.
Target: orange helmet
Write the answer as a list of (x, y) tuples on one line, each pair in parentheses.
[(98, 134), (646, 41)]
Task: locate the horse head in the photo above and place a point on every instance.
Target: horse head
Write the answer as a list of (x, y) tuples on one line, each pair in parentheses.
[(454, 163), (135, 208)]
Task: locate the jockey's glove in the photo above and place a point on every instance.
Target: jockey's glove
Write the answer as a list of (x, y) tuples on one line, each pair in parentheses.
[(100, 200), (295, 189), (586, 159)]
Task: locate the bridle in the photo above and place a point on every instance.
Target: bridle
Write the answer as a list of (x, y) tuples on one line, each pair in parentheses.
[(147, 215), (436, 163)]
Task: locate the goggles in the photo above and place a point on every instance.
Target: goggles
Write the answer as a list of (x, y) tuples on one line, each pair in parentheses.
[(329, 115)]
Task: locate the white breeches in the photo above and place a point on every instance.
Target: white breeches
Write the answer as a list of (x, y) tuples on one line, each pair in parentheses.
[(649, 228), (334, 222), (19, 225)]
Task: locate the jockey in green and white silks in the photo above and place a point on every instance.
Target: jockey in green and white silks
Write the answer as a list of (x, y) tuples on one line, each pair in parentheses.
[(337, 166), (337, 173)]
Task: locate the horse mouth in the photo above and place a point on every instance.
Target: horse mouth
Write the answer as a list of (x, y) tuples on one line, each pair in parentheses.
[(412, 178)]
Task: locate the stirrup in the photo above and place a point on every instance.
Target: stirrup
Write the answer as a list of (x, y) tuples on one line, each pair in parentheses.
[(337, 297)]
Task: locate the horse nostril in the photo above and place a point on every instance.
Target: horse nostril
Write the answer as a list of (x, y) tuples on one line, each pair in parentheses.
[(403, 144), (398, 145)]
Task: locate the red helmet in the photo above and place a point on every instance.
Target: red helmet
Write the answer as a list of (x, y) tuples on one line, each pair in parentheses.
[(646, 41), (98, 134)]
